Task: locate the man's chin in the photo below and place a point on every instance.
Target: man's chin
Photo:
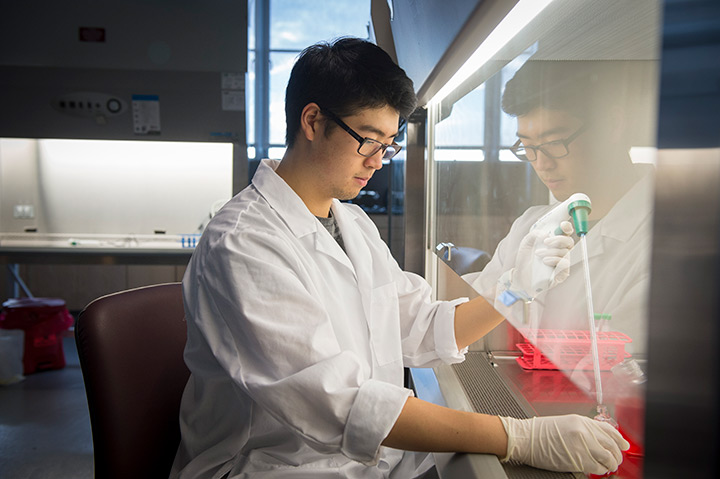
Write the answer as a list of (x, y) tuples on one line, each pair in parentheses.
[(347, 195), (561, 190)]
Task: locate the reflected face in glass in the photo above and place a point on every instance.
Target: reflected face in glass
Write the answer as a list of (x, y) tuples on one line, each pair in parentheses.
[(569, 174), (341, 170)]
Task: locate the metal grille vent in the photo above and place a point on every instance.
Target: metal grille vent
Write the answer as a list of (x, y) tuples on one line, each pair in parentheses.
[(488, 394), (484, 387)]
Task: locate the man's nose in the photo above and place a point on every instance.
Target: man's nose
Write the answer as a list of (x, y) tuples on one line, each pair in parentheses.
[(375, 161), (544, 162)]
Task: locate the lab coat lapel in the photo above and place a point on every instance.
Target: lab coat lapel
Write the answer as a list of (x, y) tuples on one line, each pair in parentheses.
[(327, 245), (295, 214), (358, 251), (622, 221)]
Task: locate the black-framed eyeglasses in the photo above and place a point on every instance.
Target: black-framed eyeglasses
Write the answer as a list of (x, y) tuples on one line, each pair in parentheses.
[(368, 147), (552, 149)]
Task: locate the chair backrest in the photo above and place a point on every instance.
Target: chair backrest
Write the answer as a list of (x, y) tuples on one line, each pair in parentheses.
[(130, 345)]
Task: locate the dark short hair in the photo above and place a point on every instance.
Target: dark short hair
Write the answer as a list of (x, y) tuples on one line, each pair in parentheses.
[(345, 76), (576, 86)]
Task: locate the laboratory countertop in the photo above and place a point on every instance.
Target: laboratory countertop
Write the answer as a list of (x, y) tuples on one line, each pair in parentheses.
[(29, 248)]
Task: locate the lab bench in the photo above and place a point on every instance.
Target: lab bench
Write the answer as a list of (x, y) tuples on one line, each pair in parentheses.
[(82, 267), (494, 383), (33, 248)]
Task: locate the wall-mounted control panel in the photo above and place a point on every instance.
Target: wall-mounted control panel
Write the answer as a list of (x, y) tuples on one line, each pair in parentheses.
[(110, 70), (98, 106)]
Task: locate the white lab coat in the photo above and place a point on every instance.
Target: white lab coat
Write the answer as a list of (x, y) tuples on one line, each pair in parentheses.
[(296, 349), (619, 247)]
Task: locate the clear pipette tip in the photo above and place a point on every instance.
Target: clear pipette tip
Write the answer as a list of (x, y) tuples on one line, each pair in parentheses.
[(602, 413), (603, 416)]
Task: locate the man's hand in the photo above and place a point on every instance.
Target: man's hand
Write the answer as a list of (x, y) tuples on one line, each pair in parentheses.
[(556, 253), (532, 277), (569, 443)]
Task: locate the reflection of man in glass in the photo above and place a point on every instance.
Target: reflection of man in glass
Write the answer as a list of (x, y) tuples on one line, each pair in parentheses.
[(575, 127)]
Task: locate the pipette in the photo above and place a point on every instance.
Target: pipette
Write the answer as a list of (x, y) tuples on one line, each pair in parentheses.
[(577, 207), (602, 414), (580, 216)]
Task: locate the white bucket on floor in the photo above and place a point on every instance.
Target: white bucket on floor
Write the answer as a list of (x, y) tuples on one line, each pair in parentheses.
[(11, 356)]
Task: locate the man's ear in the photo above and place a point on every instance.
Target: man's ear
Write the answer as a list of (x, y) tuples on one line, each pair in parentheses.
[(310, 121)]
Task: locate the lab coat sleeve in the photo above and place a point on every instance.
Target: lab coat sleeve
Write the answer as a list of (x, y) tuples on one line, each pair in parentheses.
[(485, 282), (275, 340), (428, 327), (378, 400)]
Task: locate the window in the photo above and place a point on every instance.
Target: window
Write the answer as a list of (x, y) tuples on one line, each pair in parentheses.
[(278, 30)]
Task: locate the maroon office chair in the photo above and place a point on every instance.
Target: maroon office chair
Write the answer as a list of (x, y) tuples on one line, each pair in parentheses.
[(130, 345)]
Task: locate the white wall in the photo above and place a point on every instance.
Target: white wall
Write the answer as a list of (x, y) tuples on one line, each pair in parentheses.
[(112, 187)]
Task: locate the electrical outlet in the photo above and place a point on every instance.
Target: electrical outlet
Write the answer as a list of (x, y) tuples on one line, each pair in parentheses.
[(24, 212)]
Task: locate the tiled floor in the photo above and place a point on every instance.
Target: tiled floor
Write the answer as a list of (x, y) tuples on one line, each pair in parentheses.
[(44, 424)]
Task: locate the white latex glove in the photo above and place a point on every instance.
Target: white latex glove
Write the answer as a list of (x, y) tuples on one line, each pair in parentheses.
[(552, 250), (569, 443), (557, 253)]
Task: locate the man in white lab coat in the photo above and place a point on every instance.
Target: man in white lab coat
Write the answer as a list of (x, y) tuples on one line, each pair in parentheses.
[(300, 321), (576, 122)]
